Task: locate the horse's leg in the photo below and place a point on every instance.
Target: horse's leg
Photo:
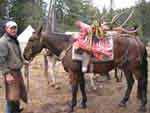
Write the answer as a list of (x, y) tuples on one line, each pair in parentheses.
[(142, 93), (116, 75), (142, 76), (130, 82), (121, 75), (92, 81), (83, 92), (108, 76), (139, 94), (53, 71), (46, 68), (74, 85), (141, 89), (53, 62)]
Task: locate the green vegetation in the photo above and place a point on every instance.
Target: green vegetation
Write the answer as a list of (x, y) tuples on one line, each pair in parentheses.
[(33, 12)]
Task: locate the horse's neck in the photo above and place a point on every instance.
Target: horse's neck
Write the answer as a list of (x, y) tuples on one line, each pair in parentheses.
[(57, 43)]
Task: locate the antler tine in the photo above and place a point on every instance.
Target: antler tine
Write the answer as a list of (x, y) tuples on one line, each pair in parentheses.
[(130, 15), (116, 17)]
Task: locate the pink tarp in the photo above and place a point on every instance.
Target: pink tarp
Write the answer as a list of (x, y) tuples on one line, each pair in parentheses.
[(102, 49)]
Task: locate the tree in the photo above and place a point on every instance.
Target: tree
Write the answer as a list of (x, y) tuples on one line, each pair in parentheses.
[(27, 12), (3, 8), (143, 10), (76, 10)]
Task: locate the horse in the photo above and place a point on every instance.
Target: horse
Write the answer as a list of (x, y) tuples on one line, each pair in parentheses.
[(51, 58), (130, 56), (50, 61)]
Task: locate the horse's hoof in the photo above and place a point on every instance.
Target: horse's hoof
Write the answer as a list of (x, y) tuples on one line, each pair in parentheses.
[(142, 110), (122, 104), (57, 87), (20, 110), (108, 78), (118, 81), (83, 105), (68, 110), (94, 88), (70, 107), (52, 84)]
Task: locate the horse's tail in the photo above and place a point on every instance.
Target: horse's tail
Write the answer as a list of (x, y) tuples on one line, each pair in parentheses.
[(144, 69), (144, 66)]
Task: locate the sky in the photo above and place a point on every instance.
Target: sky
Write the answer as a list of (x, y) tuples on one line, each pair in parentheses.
[(118, 4)]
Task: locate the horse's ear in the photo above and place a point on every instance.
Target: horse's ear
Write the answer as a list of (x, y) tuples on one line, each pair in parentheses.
[(39, 30)]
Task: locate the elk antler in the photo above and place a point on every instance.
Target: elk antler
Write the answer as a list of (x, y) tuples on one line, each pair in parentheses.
[(130, 15), (116, 17)]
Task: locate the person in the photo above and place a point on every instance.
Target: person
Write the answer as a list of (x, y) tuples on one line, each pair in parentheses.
[(11, 62)]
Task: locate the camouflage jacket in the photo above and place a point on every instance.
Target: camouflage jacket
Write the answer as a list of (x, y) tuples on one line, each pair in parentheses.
[(10, 55)]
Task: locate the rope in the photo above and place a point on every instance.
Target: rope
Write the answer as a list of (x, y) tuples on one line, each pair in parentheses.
[(63, 53), (27, 74)]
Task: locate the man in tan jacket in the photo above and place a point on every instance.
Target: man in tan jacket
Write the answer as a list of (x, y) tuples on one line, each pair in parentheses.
[(10, 67)]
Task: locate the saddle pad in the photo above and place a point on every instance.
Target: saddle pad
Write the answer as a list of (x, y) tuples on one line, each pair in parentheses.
[(102, 50)]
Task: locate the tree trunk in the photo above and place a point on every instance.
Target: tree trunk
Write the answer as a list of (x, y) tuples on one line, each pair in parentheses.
[(51, 17)]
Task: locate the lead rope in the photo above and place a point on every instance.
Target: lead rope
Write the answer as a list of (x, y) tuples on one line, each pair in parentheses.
[(27, 74)]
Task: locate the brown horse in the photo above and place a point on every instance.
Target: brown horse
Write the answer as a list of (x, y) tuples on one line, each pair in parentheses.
[(129, 55)]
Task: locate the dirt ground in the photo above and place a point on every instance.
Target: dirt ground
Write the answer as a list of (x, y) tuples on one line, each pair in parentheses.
[(46, 99)]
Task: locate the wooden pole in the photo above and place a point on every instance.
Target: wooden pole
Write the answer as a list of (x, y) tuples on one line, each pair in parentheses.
[(50, 26), (50, 22), (111, 8)]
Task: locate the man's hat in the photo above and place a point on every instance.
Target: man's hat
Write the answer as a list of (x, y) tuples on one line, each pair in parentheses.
[(11, 24)]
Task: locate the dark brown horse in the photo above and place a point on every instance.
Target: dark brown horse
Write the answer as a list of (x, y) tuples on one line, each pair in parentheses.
[(129, 55)]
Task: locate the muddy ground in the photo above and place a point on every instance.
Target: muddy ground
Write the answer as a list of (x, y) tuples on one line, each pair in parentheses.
[(46, 99)]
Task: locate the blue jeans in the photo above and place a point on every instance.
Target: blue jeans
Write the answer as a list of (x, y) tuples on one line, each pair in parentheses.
[(12, 107)]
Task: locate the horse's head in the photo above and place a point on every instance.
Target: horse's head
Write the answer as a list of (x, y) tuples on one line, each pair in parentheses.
[(34, 45)]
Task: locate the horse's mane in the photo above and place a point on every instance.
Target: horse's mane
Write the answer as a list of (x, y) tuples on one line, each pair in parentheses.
[(60, 36)]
